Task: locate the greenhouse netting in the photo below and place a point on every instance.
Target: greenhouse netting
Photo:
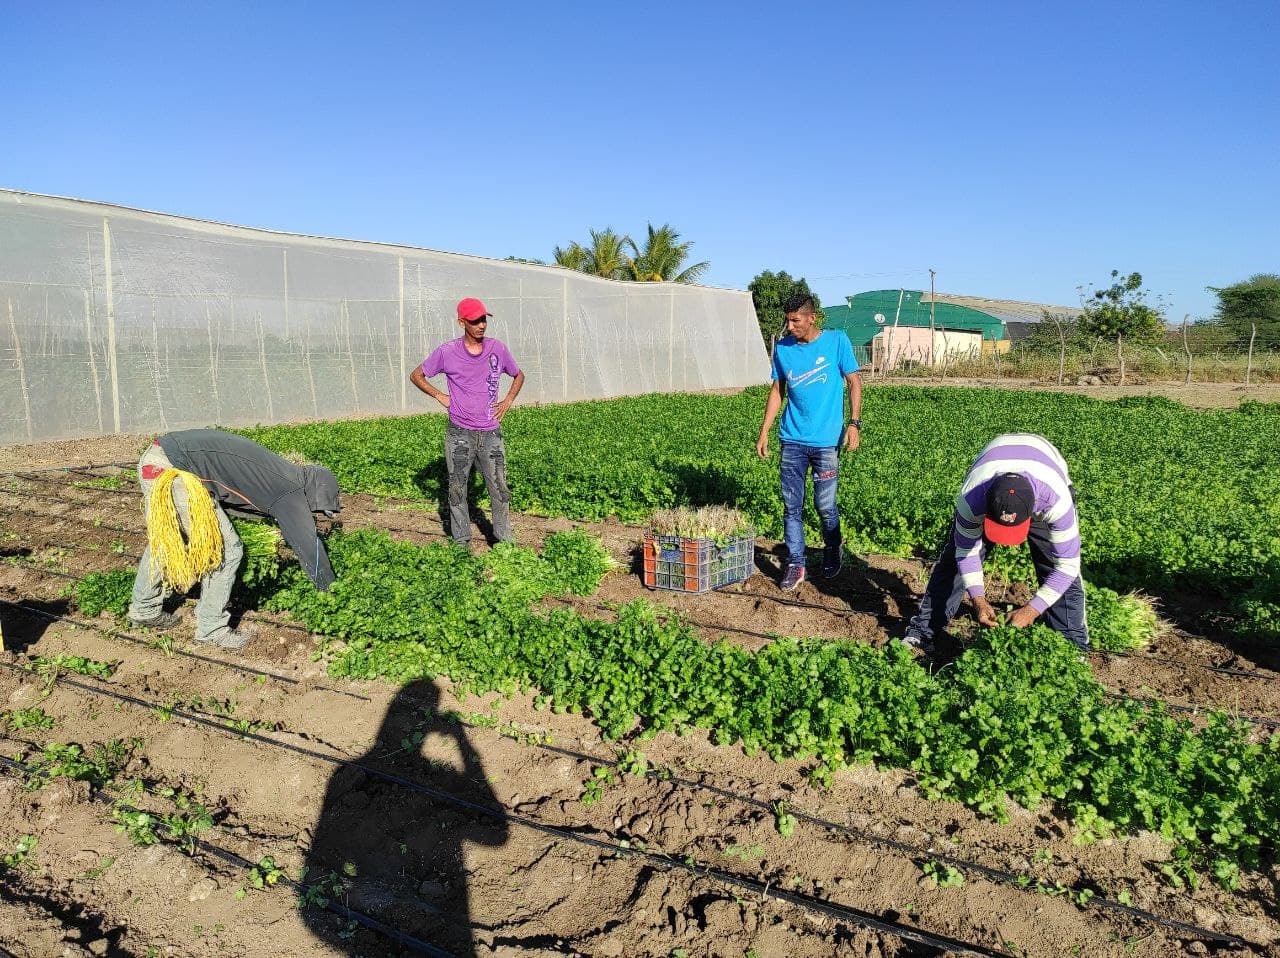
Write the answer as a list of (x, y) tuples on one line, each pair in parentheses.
[(120, 320)]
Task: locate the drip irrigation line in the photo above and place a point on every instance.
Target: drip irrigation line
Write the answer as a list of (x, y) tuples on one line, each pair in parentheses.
[(1165, 660), (247, 670), (846, 913), (994, 874), (1196, 709), (299, 888), (20, 473)]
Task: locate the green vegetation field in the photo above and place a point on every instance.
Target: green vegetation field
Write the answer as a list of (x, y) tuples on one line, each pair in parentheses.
[(1171, 499)]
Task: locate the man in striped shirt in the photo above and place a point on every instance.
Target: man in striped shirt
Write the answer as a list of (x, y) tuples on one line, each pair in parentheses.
[(1018, 490)]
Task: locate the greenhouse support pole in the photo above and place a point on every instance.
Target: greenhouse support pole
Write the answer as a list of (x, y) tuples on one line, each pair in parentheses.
[(111, 324), (22, 372), (671, 342), (564, 343), (404, 398)]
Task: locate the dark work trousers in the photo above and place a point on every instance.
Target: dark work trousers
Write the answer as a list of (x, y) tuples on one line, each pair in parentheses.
[(463, 450), (942, 595)]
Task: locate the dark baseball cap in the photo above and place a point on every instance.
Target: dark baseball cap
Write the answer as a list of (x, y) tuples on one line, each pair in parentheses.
[(1010, 502)]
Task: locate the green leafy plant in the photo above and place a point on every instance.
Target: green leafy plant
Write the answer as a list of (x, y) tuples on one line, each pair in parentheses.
[(266, 874), (21, 852), (942, 875), (28, 719), (783, 820), (100, 592)]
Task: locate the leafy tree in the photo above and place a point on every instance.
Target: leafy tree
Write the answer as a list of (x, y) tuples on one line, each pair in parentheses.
[(1253, 302), (662, 258), (769, 290), (1121, 311), (522, 259)]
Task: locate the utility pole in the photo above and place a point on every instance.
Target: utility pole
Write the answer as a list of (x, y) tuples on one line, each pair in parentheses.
[(932, 333)]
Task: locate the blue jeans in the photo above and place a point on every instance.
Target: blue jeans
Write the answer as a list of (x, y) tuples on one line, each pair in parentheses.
[(797, 460)]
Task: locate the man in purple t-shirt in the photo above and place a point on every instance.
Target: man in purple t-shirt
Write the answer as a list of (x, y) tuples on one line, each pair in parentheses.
[(473, 366)]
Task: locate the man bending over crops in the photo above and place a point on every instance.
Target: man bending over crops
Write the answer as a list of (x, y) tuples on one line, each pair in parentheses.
[(816, 366), (187, 477), (473, 365), (1018, 490)]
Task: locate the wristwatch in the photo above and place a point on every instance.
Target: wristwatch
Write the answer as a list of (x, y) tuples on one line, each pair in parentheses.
[(856, 422)]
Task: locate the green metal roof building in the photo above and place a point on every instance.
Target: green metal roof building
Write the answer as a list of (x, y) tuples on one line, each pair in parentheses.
[(868, 313)]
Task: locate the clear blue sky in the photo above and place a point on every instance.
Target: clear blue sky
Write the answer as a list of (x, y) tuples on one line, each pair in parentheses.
[(1020, 149)]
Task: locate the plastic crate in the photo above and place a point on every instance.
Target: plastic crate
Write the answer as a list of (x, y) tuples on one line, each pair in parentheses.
[(696, 565)]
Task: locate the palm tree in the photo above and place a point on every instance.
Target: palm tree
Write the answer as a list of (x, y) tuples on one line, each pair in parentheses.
[(606, 255), (662, 258), (574, 257)]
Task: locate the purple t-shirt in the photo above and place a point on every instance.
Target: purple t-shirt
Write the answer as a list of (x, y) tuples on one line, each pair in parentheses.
[(473, 380)]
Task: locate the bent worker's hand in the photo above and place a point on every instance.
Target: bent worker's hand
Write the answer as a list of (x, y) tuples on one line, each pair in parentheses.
[(1023, 617), (762, 447), (986, 612)]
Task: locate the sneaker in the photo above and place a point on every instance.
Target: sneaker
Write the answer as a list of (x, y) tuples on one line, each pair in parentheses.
[(832, 561), (160, 622), (232, 640), (791, 581), (918, 644)]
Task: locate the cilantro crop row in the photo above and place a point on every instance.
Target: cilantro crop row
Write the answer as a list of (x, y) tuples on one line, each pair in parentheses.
[(1170, 498), (1018, 716)]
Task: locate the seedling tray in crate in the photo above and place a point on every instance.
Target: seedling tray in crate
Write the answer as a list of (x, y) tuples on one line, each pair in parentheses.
[(696, 565)]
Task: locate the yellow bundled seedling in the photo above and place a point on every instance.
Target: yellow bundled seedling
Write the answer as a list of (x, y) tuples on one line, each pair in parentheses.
[(181, 561)]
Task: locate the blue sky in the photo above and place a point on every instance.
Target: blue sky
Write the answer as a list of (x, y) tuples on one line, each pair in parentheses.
[(1020, 149)]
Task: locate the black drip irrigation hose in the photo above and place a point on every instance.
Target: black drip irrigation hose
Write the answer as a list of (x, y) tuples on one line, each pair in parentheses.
[(846, 913), (993, 874), (235, 667), (21, 473), (297, 887), (986, 871)]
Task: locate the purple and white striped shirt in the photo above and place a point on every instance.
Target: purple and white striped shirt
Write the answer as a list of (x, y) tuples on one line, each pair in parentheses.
[(1036, 458)]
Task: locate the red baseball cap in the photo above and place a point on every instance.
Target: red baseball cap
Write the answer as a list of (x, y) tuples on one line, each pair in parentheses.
[(1010, 502), (471, 309)]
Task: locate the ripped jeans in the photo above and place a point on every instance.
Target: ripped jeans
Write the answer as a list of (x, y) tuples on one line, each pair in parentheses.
[(463, 450), (796, 462)]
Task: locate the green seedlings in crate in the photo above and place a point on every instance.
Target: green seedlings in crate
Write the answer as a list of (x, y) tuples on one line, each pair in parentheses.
[(21, 852), (266, 874), (28, 718), (721, 524), (942, 875)]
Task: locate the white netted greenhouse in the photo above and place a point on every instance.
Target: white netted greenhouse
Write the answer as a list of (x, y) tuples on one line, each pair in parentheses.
[(120, 320)]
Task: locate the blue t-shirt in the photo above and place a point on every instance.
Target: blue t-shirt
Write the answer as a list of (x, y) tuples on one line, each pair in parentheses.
[(814, 373)]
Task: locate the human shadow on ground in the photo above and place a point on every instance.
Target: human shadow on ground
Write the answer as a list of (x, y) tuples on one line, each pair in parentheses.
[(395, 854), (25, 622)]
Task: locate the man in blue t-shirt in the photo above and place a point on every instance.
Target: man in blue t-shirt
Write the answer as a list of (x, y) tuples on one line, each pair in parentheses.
[(815, 365)]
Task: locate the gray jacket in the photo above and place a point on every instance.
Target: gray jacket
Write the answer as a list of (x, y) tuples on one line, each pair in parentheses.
[(247, 477)]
